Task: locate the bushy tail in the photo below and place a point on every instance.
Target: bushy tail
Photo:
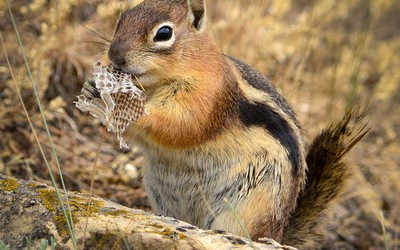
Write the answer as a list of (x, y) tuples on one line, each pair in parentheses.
[(326, 175)]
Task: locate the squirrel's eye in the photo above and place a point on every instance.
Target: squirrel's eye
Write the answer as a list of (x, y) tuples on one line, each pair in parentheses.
[(163, 34)]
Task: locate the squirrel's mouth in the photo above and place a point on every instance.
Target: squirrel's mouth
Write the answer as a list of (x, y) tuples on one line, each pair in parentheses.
[(136, 75), (141, 77)]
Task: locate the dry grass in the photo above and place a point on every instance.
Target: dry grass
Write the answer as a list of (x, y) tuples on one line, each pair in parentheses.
[(322, 55)]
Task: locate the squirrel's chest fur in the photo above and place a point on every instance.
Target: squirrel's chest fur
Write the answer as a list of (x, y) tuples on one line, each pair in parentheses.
[(192, 184)]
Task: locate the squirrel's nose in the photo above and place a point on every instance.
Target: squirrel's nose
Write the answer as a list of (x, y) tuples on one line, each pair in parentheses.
[(116, 54)]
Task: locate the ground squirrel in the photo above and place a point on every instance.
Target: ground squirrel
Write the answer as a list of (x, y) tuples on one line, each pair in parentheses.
[(219, 133)]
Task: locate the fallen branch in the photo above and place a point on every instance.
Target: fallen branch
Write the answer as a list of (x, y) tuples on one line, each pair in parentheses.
[(31, 210)]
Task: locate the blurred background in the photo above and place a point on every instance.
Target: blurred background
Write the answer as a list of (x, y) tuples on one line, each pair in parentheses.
[(323, 56)]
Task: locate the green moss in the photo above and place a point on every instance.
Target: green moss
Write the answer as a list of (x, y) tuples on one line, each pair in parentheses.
[(167, 232), (78, 206), (106, 240), (50, 200), (81, 207), (61, 223), (181, 236), (9, 185), (116, 212)]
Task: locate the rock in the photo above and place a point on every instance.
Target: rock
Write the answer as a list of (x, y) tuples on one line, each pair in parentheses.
[(31, 210)]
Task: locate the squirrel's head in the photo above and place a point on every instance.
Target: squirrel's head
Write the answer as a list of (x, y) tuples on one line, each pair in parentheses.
[(154, 39)]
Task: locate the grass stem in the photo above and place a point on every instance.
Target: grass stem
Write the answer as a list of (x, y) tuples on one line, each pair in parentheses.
[(69, 219)]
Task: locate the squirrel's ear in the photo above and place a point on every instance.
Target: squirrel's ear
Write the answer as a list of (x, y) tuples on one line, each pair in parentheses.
[(197, 13)]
